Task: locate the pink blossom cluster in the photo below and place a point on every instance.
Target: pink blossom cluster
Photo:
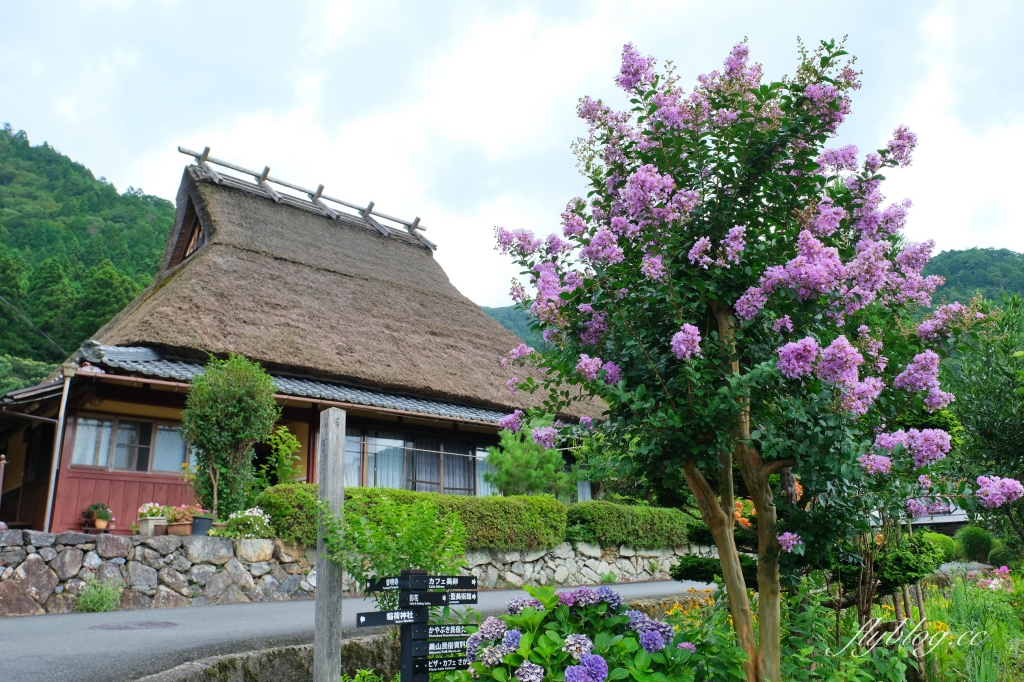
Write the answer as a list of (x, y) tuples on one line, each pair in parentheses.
[(585, 421), (922, 374), (783, 323), (835, 160), (512, 384), (544, 436), (699, 253), (603, 248), (636, 69), (875, 464), (732, 246), (512, 422), (838, 363), (589, 367), (916, 508), (994, 491), (828, 218), (652, 267), (686, 342), (796, 358), (925, 445), (573, 224), (901, 146), (945, 319), (518, 353), (789, 540), (518, 242)]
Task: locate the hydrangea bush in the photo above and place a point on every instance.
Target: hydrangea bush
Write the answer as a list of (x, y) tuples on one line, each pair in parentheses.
[(736, 292), (588, 635)]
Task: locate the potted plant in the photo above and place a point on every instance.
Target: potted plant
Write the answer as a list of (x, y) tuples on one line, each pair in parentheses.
[(101, 518), (202, 521), (179, 519), (151, 515)]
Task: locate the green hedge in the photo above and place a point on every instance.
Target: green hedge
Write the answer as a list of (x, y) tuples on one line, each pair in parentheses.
[(503, 523), (610, 525), (704, 569), (943, 542)]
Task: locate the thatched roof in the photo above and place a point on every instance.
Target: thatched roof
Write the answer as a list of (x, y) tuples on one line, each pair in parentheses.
[(309, 296)]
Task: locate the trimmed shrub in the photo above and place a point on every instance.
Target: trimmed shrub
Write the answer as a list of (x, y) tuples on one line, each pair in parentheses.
[(704, 569), (503, 523), (973, 543), (1004, 556), (610, 525), (293, 511), (944, 543)]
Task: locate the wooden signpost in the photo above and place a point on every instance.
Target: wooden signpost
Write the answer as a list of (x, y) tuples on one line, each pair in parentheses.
[(425, 648), (331, 478)]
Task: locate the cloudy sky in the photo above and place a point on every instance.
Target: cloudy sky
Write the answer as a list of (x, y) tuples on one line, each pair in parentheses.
[(463, 112)]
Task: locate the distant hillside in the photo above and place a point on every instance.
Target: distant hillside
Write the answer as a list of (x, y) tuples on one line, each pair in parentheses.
[(516, 321), (993, 272), (73, 252)]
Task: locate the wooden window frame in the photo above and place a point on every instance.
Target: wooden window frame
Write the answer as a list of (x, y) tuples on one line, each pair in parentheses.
[(408, 446), (111, 453)]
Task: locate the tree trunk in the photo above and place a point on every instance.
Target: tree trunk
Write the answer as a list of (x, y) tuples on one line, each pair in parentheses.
[(214, 475), (720, 523), (769, 596)]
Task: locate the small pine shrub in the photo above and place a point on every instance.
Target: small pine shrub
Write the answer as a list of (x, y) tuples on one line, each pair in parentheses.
[(973, 543), (945, 543), (98, 597)]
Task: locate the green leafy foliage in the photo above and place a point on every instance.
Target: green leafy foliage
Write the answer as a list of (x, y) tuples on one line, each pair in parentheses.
[(98, 597), (906, 562), (946, 544), (293, 510), (1005, 556), (249, 524), (73, 251), (990, 272), (517, 321), (610, 525), (523, 467), (973, 543), (230, 407), (283, 464), (18, 373), (391, 537), (705, 569)]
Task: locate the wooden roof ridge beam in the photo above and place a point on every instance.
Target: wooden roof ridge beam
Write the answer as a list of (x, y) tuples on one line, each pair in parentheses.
[(315, 198), (261, 180), (367, 214)]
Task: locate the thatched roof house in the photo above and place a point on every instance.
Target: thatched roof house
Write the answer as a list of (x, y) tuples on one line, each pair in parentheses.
[(342, 309)]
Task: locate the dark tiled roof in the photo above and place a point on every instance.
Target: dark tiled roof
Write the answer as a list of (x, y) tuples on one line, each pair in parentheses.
[(149, 362)]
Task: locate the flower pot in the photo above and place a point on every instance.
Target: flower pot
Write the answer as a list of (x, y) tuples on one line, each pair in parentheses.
[(183, 528), (160, 529), (220, 525), (148, 524), (101, 524), (200, 525)]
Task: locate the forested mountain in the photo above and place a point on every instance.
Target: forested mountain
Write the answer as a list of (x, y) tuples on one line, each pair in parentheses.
[(73, 251), (993, 272), (516, 321)]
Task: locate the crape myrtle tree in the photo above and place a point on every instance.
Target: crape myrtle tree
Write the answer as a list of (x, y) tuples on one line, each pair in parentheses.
[(728, 290)]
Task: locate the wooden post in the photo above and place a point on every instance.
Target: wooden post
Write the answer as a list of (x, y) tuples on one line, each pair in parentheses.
[(331, 478)]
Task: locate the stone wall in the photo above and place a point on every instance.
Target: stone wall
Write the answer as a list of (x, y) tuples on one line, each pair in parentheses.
[(583, 565), (42, 572)]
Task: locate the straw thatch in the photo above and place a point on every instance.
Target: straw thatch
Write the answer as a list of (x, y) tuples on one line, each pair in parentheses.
[(310, 296)]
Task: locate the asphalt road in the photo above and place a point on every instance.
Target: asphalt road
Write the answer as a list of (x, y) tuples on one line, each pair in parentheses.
[(83, 647)]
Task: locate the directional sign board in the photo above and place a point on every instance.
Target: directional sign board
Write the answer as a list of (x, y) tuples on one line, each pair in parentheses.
[(416, 614), (385, 584), (451, 582), (422, 582), (456, 598), (438, 631), (437, 665), (424, 599), (438, 646)]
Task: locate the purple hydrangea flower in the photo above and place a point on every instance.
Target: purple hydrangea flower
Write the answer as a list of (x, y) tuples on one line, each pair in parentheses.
[(492, 628), (651, 641), (687, 645), (529, 672), (609, 596), (686, 342), (511, 640), (578, 646), (596, 667), (491, 656), (789, 540), (517, 604)]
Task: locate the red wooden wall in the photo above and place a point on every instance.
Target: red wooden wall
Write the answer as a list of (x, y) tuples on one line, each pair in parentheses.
[(123, 492)]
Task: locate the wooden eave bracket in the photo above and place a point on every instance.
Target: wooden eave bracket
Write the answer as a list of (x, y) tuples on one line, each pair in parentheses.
[(367, 214), (415, 230), (261, 180), (315, 198)]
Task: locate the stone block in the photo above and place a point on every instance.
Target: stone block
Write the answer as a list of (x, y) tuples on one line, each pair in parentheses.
[(112, 546), (681, 551), (13, 556), (527, 572), (588, 550), (251, 551), (86, 574), (570, 564), (513, 579), (67, 564), (74, 586), (626, 551), (92, 560), (654, 553), (86, 546), (519, 568), (38, 538), (232, 595), (286, 553), (260, 569), (240, 576), (48, 554), (201, 573), (141, 577), (133, 599), (587, 574), (174, 580), (167, 599), (218, 584), (289, 586), (150, 557), (110, 573), (292, 569), (507, 557), (12, 538), (201, 601), (280, 575), (306, 587), (478, 557), (61, 603), (563, 550), (202, 549), (180, 563), (6, 573), (164, 544), (593, 564), (16, 600), (492, 576), (534, 555), (35, 577)]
